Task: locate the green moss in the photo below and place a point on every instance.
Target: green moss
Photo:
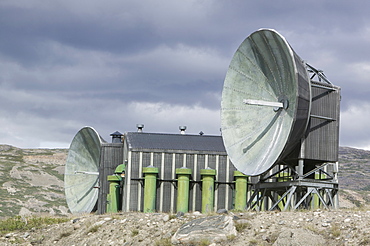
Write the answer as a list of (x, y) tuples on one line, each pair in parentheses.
[(163, 242), (93, 229), (241, 226), (253, 242), (335, 230), (365, 241), (134, 232), (204, 242), (19, 223)]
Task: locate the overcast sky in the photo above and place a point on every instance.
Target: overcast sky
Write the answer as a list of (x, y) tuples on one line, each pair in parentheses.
[(112, 64)]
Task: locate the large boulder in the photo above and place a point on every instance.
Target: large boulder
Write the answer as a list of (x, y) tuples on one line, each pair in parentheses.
[(299, 237), (213, 229)]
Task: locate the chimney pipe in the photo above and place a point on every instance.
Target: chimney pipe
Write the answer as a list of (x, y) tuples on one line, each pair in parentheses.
[(182, 129), (116, 137), (140, 127)]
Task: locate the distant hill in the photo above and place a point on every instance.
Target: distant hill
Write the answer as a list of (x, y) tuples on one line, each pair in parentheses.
[(354, 169), (354, 176), (31, 180)]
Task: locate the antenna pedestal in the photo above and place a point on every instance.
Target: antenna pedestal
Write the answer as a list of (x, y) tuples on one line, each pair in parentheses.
[(285, 190)]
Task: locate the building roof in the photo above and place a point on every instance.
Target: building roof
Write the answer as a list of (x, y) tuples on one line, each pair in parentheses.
[(174, 142)]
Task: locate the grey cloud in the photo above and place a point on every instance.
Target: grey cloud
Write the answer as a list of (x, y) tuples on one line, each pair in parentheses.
[(64, 64)]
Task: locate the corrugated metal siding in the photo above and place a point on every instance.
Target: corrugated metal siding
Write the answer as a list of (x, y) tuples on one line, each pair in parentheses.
[(133, 188), (224, 190), (197, 188), (167, 186), (194, 188), (111, 156), (322, 141)]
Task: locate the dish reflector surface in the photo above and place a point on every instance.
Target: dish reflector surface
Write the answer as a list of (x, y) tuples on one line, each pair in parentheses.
[(81, 171), (265, 102)]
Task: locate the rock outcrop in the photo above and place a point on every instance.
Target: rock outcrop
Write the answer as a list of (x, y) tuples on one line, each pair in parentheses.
[(211, 229)]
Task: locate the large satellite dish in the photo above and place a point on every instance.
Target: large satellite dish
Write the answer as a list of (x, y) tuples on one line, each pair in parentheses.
[(265, 104), (82, 171)]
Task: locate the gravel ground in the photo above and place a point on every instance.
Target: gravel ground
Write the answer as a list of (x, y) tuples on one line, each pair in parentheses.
[(319, 227)]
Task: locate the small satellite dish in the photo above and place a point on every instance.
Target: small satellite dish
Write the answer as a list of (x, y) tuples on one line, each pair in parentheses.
[(82, 171), (265, 104)]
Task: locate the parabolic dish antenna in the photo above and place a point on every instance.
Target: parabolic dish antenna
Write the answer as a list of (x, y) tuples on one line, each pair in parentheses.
[(81, 171), (265, 104)]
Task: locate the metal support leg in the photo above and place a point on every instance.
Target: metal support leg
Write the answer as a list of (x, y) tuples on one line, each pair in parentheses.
[(289, 199)]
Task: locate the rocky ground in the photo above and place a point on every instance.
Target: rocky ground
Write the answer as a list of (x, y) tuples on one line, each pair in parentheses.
[(320, 227), (31, 183)]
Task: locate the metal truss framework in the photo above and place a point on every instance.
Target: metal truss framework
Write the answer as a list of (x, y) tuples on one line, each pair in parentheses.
[(279, 191)]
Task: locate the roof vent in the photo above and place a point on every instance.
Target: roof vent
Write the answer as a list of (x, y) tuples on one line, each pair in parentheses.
[(182, 129), (116, 137), (140, 127), (201, 133)]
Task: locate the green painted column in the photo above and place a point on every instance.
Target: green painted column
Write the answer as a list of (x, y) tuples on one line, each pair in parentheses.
[(150, 188), (113, 198), (316, 203), (283, 177), (208, 188), (120, 169), (183, 179), (241, 188)]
